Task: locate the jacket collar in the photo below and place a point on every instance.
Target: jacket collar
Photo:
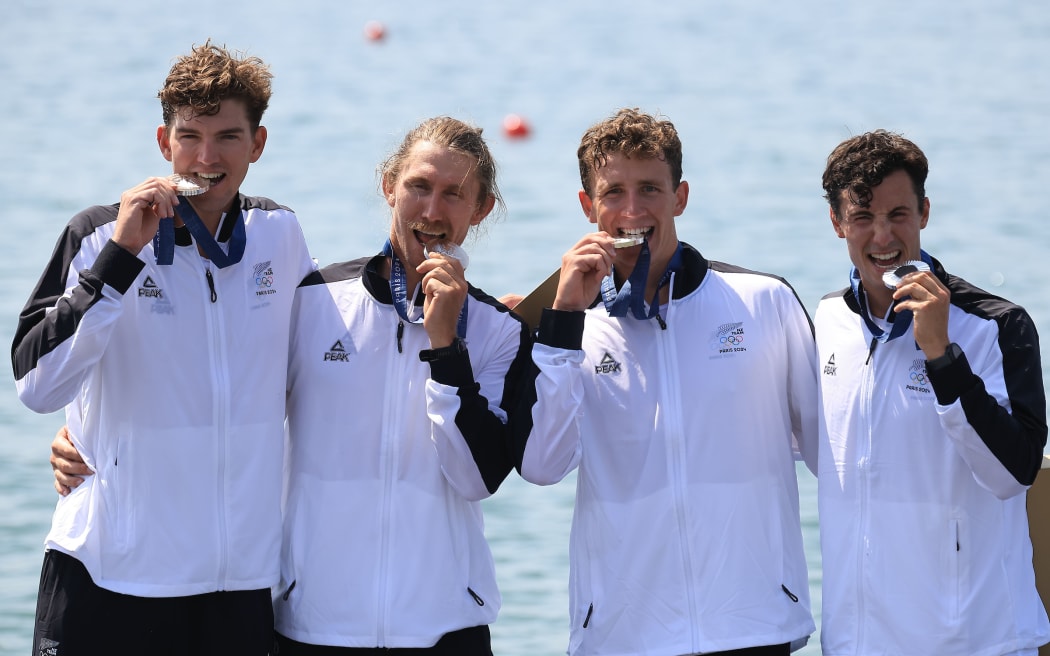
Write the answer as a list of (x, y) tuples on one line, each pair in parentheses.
[(182, 233), (683, 283)]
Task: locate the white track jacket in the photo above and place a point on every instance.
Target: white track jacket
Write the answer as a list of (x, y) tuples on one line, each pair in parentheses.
[(922, 475), (389, 458), (172, 378), (686, 534)]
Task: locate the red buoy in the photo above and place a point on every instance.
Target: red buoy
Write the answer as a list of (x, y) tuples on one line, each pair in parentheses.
[(374, 31), (515, 126)]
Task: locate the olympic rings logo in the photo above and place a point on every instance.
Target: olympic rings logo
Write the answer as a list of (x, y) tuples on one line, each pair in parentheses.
[(731, 339), (918, 378), (264, 281)]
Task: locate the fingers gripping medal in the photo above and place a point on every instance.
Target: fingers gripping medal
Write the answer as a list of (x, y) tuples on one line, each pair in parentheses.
[(893, 278), (450, 249), (456, 252), (164, 240)]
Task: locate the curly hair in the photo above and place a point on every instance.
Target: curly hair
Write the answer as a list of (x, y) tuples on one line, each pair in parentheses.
[(458, 137), (200, 81), (861, 163), (630, 133)]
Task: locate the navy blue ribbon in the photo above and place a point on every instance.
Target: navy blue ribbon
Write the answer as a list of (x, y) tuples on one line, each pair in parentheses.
[(164, 240), (899, 321), (631, 295), (399, 293)]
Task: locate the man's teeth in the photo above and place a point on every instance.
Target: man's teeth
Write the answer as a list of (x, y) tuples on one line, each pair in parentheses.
[(886, 259)]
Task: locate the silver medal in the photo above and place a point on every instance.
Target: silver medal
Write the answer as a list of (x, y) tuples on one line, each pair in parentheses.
[(893, 278)]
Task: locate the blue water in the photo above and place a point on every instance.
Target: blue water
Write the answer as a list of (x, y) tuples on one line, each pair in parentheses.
[(760, 92)]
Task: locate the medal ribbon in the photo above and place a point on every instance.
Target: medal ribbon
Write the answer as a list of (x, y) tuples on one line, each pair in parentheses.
[(899, 321), (399, 294), (631, 295), (164, 240)]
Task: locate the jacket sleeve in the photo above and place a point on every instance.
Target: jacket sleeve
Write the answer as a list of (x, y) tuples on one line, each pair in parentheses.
[(470, 411), (993, 407), (65, 326), (803, 401), (548, 433)]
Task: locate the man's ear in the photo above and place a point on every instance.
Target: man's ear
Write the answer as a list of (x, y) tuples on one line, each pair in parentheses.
[(258, 143), (587, 205), (388, 191), (681, 196), (163, 141), (835, 223), (484, 208)]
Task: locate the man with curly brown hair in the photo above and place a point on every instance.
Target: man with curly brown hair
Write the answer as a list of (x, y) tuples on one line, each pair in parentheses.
[(154, 326), (680, 388), (932, 427)]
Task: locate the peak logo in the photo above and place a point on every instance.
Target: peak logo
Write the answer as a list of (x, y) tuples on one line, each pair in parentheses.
[(608, 365), (160, 305), (149, 289), (830, 368), (337, 353)]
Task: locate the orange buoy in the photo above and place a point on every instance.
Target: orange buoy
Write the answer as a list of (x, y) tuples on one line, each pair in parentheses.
[(374, 31), (515, 126)]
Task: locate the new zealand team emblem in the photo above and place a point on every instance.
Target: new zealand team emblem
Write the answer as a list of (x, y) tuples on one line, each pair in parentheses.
[(264, 279)]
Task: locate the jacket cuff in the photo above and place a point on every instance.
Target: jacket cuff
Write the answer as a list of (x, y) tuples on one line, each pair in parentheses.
[(561, 329), (952, 380), (117, 267), (453, 370)]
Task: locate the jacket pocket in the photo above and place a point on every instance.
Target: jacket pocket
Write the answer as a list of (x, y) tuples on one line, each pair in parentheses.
[(955, 582), (288, 591), (118, 487)]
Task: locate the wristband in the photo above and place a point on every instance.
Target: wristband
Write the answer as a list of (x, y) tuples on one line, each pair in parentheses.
[(430, 355)]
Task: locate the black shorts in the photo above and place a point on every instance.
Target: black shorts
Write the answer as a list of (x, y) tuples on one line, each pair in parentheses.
[(768, 650), (76, 617), (474, 641)]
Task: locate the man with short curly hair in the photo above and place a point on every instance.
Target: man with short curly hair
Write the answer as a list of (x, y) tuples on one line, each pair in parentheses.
[(933, 426), (679, 388), (154, 326)]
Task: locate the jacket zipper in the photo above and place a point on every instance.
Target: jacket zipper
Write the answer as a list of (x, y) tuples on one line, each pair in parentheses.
[(392, 428), (211, 283), (219, 409), (871, 350), (670, 396), (867, 385)]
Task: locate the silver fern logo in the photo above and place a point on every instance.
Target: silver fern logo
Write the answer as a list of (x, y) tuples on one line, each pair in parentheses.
[(264, 279), (918, 381), (728, 338)]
